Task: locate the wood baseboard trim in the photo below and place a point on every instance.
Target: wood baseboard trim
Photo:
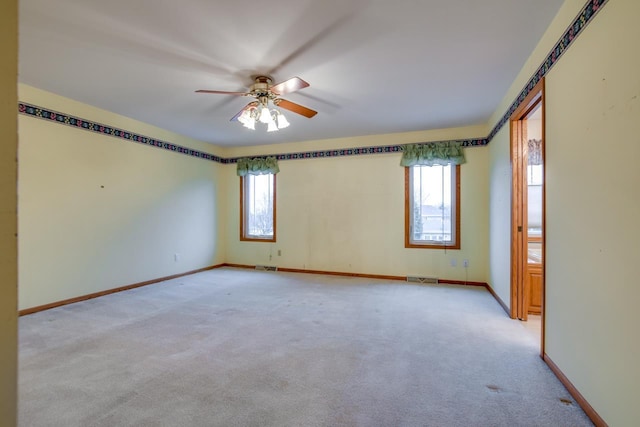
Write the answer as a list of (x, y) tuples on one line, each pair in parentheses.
[(573, 391), (363, 275), (343, 274), (461, 282), (497, 298), (251, 267), (327, 273), (111, 291)]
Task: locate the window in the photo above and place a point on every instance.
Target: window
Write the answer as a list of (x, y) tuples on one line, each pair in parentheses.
[(534, 202), (432, 207), (534, 175), (258, 208)]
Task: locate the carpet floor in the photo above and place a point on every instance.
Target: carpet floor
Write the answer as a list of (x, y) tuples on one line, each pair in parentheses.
[(233, 347)]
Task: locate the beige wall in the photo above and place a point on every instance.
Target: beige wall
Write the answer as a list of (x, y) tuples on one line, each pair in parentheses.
[(592, 147), (8, 219), (98, 212), (500, 215), (347, 213)]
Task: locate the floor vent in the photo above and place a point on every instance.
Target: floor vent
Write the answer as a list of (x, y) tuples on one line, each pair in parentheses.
[(422, 279), (266, 268)]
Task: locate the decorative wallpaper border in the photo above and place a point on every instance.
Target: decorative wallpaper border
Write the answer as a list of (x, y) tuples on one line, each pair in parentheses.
[(577, 26), (91, 126), (586, 15)]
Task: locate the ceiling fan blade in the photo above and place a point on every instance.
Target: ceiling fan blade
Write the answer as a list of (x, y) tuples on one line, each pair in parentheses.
[(288, 86), (222, 92), (249, 105), (296, 108)]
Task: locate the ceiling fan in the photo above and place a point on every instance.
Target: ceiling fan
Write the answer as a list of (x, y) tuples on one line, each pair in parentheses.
[(264, 92)]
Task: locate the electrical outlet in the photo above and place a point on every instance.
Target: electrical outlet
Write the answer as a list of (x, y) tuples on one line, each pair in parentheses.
[(279, 252), (176, 257), (466, 263)]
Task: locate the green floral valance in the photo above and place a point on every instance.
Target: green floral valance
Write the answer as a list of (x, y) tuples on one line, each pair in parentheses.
[(433, 153), (258, 166)]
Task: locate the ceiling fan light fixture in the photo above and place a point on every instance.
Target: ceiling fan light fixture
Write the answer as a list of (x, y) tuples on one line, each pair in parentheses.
[(272, 127), (245, 116), (265, 115), (250, 124), (247, 120), (282, 121)]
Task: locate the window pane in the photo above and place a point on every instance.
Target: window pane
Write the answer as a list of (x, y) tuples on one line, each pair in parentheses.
[(258, 206), (433, 211), (534, 174)]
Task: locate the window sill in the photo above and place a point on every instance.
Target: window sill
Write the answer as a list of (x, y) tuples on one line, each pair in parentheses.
[(432, 246), (257, 239)]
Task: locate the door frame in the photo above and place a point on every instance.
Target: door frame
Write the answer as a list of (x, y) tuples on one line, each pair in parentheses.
[(518, 156)]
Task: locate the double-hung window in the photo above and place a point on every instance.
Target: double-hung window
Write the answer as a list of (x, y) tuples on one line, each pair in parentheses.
[(432, 206), (258, 208)]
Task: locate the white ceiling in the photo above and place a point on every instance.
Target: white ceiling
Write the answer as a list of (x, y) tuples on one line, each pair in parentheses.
[(375, 66)]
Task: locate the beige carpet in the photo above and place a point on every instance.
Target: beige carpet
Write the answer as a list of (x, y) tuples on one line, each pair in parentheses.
[(244, 348)]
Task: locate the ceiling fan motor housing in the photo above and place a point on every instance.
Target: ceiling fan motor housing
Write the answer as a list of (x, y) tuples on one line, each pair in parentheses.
[(261, 86)]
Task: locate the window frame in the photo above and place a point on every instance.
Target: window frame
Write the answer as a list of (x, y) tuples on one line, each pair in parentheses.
[(243, 236), (407, 215)]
